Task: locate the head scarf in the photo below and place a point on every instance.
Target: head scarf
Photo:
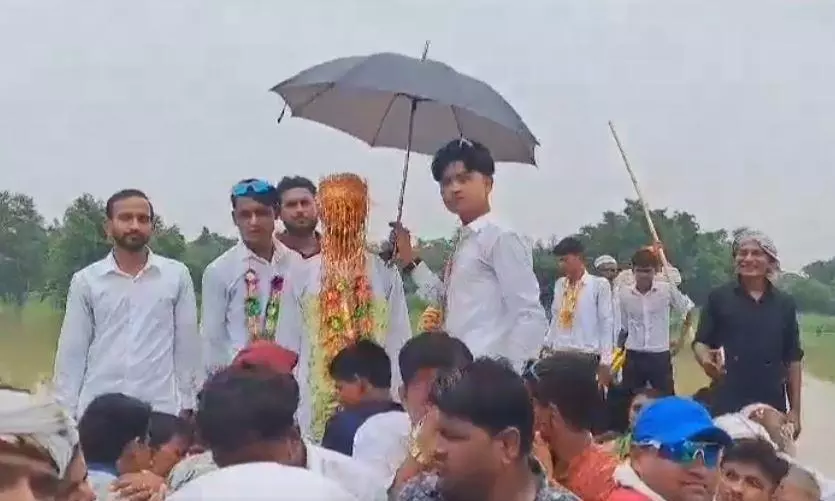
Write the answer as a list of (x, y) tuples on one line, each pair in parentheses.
[(258, 481), (40, 420), (267, 354), (765, 243), (604, 259)]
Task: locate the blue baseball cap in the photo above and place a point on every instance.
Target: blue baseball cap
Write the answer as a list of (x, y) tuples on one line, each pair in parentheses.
[(672, 420)]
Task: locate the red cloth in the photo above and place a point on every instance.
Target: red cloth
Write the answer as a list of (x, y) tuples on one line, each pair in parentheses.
[(268, 355), (626, 494), (590, 475)]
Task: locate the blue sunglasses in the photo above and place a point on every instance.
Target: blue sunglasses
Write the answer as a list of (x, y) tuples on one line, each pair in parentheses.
[(250, 187), (688, 452)]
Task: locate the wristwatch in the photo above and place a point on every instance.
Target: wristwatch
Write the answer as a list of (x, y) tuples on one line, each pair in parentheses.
[(409, 268)]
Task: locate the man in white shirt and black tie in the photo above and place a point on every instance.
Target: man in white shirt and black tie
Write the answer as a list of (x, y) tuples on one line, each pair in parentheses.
[(645, 316), (131, 321), (488, 293), (582, 311)]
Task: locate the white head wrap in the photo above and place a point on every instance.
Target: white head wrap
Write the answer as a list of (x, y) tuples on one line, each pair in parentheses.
[(259, 481), (739, 426), (39, 418), (604, 259), (764, 242)]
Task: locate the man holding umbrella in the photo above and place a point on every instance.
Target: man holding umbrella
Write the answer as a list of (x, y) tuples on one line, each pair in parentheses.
[(488, 292)]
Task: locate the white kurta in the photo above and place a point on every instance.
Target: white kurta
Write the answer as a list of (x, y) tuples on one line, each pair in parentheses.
[(223, 320), (299, 320)]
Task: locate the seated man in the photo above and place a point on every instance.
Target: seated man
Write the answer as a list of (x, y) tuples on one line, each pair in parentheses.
[(675, 454), (750, 471), (362, 373)]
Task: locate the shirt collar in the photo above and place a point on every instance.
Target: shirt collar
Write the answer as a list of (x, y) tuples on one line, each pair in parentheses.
[(111, 266), (767, 293), (477, 224), (246, 254)]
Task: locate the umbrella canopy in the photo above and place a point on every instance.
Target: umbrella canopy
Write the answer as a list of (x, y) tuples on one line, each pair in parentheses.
[(395, 101)]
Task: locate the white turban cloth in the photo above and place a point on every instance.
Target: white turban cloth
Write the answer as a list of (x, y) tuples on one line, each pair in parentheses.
[(604, 259), (765, 243), (261, 481), (39, 418)]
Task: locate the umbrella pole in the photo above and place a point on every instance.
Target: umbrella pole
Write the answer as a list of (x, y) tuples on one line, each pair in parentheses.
[(390, 250)]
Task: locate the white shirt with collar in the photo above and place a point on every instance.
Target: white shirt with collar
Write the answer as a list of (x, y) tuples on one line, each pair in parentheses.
[(492, 295), (646, 316), (592, 330), (223, 321), (132, 335)]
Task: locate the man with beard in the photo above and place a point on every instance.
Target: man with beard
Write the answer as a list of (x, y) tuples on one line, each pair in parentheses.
[(242, 288), (131, 320)]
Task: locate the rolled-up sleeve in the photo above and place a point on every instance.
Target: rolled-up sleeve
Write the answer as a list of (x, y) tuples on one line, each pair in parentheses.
[(187, 349), (73, 345), (605, 317), (512, 259)]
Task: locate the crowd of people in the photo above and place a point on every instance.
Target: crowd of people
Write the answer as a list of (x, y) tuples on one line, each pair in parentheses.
[(304, 378)]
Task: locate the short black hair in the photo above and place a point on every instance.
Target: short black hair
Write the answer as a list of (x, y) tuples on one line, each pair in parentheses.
[(364, 359), (568, 381), (475, 157), (241, 406), (569, 246), (268, 198), (432, 350), (109, 423), (645, 258), (287, 183), (164, 427), (122, 195), (489, 394), (760, 454)]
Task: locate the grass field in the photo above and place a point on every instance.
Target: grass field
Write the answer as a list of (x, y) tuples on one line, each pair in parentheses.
[(28, 338)]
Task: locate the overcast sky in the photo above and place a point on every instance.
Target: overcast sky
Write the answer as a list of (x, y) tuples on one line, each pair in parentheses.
[(726, 107)]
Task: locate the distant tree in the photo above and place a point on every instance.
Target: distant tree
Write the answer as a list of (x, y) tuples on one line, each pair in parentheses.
[(822, 271), (23, 241), (203, 250)]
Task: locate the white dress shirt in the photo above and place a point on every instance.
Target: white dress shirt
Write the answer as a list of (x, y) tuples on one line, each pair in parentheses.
[(132, 335), (382, 443), (299, 322), (492, 295), (224, 318), (646, 316), (592, 330)]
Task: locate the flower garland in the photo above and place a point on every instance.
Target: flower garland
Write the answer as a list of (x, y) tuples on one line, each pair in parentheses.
[(570, 294), (346, 313), (258, 326)]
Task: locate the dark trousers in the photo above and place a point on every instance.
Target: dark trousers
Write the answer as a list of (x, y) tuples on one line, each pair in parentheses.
[(644, 369)]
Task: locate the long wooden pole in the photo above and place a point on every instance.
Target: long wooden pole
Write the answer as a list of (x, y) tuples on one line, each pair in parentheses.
[(643, 202)]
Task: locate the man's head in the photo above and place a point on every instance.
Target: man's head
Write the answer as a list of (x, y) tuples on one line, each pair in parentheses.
[(750, 471), (645, 265), (420, 360), (607, 267), (464, 170), (640, 400), (485, 427), (799, 485), (247, 415), (254, 210), (359, 370), (755, 255), (565, 394), (110, 423), (569, 252), (297, 205), (676, 449), (130, 219)]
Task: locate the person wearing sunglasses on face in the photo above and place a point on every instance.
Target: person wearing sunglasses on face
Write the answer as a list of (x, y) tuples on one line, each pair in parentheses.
[(242, 288), (675, 454)]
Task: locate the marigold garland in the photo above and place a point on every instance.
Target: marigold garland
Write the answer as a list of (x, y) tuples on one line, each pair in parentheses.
[(345, 296), (258, 326), (570, 294)]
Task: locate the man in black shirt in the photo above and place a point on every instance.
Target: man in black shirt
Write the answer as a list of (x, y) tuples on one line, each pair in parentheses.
[(755, 325)]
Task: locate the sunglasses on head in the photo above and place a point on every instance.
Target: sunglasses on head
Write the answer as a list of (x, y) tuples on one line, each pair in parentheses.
[(687, 452), (251, 186)]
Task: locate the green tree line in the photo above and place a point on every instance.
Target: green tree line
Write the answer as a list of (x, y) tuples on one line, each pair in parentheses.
[(39, 258)]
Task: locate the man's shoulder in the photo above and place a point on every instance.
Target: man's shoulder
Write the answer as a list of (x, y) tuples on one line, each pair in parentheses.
[(220, 262), (169, 265), (386, 423)]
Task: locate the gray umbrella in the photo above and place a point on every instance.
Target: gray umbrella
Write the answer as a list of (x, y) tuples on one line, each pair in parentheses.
[(395, 101)]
